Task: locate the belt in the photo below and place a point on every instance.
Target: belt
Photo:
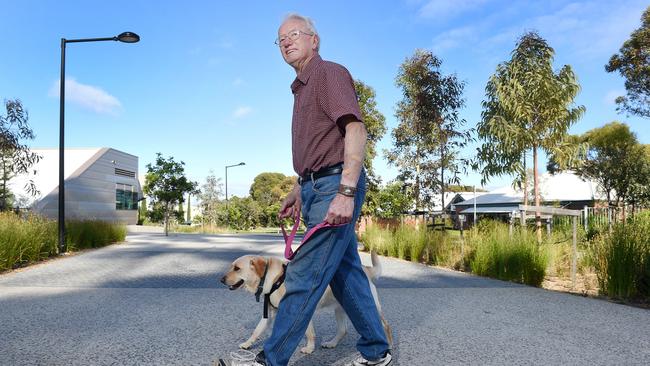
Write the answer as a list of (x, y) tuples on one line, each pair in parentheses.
[(323, 172)]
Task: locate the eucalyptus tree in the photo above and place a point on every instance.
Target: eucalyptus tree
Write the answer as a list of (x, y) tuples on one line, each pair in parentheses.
[(617, 162), (209, 195), (528, 107), (375, 123), (430, 134), (633, 63), (15, 156)]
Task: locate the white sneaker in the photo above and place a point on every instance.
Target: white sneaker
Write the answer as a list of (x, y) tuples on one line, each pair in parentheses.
[(380, 362)]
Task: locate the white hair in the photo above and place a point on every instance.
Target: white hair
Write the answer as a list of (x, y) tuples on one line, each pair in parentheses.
[(309, 23)]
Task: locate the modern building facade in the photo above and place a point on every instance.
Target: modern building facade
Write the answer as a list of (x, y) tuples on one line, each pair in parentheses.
[(100, 183)]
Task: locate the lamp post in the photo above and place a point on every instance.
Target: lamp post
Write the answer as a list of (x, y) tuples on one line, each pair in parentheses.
[(227, 212), (126, 37)]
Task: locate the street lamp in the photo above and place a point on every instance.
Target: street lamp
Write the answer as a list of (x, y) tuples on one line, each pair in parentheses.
[(228, 213), (126, 37)]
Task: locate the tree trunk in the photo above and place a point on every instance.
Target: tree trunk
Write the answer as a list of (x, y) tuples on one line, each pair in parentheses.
[(538, 219), (166, 220), (189, 208), (442, 183), (417, 185), (525, 182)]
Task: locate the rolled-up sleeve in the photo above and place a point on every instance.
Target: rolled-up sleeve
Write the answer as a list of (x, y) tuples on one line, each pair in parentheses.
[(337, 96)]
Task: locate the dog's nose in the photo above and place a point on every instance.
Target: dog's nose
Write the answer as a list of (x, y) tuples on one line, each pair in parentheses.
[(223, 280)]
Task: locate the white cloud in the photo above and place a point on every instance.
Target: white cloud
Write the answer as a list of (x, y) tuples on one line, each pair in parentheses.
[(241, 112), (445, 9), (454, 38), (588, 29), (87, 96)]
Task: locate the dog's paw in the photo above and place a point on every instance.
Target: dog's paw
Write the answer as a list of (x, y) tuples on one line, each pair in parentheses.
[(307, 350), (246, 345), (330, 344)]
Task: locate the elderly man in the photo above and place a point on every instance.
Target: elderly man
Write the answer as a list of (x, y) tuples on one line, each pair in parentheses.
[(328, 141)]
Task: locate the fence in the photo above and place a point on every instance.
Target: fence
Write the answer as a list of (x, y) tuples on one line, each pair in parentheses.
[(598, 218)]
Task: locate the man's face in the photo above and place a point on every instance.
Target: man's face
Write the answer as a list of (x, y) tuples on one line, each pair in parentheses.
[(296, 52)]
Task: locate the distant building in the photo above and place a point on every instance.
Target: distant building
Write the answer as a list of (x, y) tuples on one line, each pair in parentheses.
[(565, 190), (100, 183)]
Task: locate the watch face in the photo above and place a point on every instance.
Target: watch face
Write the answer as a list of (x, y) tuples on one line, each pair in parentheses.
[(346, 190)]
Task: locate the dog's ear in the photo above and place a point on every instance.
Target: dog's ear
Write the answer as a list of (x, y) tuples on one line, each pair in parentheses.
[(259, 264)]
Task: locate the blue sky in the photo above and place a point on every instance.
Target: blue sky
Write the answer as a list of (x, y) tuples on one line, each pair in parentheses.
[(207, 85)]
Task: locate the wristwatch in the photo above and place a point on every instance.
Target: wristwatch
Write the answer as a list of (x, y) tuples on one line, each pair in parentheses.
[(348, 191)]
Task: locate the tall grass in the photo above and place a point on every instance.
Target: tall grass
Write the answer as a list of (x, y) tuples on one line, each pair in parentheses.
[(25, 240), (414, 244), (93, 234), (622, 259), (33, 238), (516, 258)]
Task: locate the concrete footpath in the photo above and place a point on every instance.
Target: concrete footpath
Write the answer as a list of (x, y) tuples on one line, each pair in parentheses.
[(156, 300)]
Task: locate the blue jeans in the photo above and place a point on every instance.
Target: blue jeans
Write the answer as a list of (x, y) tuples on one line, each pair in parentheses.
[(330, 257)]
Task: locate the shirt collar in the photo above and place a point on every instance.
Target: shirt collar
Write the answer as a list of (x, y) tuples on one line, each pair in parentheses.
[(304, 75)]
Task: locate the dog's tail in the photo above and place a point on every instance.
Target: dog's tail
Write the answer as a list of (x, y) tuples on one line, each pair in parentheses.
[(374, 272)]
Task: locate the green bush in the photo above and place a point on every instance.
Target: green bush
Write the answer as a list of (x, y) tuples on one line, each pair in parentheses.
[(622, 259), (516, 258)]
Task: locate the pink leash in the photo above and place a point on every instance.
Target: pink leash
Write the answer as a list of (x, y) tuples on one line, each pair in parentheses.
[(288, 239)]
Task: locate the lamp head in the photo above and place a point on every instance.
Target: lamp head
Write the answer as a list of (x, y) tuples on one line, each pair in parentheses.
[(128, 37)]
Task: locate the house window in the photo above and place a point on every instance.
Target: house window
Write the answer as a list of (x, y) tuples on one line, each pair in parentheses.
[(126, 197)]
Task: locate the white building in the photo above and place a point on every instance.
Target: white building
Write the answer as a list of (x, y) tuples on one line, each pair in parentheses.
[(564, 189), (100, 183)]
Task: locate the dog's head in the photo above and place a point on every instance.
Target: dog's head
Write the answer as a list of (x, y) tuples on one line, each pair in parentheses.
[(246, 272)]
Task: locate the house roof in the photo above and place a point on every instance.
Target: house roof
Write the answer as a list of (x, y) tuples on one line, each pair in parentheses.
[(561, 187), (497, 209), (451, 197)]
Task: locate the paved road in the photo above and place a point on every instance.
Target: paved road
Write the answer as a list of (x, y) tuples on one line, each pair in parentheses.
[(156, 301)]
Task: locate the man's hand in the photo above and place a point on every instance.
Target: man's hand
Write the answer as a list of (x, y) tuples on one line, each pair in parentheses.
[(291, 203), (340, 211)]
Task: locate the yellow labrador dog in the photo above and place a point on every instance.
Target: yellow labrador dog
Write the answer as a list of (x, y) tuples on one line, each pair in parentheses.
[(265, 276)]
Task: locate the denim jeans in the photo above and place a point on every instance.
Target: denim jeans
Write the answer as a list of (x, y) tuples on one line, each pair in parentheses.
[(330, 257)]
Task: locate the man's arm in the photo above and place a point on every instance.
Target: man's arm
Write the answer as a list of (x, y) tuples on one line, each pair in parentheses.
[(342, 207), (354, 153)]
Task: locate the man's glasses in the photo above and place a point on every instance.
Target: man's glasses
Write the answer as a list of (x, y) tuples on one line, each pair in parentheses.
[(293, 35)]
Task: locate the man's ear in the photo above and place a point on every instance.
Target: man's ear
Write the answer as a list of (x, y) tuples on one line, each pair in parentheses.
[(259, 265), (316, 42)]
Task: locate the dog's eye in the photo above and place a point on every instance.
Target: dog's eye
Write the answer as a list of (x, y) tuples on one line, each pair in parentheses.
[(236, 268)]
